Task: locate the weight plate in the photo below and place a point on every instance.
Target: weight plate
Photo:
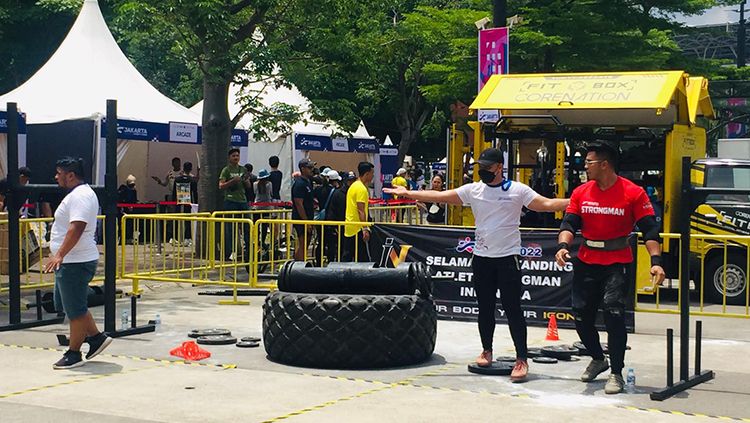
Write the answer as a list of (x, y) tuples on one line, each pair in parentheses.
[(250, 339), (196, 333), (582, 350), (544, 360), (560, 352), (506, 359), (534, 352), (216, 340), (247, 344), (497, 368)]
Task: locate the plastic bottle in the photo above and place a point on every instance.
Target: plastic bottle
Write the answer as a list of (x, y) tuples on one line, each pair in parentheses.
[(124, 320), (157, 320), (630, 381)]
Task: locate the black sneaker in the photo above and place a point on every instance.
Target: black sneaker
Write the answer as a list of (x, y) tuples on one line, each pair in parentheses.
[(69, 360), (97, 344)]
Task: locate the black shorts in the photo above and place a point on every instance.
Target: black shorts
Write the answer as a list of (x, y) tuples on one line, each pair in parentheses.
[(599, 286)]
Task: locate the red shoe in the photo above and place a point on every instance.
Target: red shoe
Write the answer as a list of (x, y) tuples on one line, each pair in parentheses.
[(520, 371), (485, 359)]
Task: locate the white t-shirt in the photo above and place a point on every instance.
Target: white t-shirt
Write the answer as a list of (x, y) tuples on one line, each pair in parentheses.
[(80, 205), (497, 214)]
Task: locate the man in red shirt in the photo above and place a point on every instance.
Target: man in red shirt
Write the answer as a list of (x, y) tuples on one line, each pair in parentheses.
[(605, 210)]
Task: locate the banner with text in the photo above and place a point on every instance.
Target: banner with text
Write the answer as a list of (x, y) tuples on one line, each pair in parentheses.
[(493, 54), (448, 252)]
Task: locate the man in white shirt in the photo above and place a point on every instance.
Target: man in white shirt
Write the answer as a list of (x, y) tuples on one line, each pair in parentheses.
[(496, 204), (73, 258)]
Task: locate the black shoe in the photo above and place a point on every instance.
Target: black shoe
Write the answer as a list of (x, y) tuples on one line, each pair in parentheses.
[(69, 360), (97, 344)]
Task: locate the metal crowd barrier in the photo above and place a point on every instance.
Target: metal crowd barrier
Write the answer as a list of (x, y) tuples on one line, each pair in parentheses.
[(324, 240), (402, 213), (731, 252), (34, 253)]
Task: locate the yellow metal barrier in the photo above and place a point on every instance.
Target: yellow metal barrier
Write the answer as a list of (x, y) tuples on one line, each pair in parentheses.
[(34, 252), (723, 259), (403, 213), (197, 249), (324, 241)]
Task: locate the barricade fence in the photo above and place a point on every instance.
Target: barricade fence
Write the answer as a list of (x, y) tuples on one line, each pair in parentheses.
[(719, 278)]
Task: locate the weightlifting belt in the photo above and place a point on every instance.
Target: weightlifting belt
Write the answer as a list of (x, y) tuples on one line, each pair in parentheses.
[(608, 244)]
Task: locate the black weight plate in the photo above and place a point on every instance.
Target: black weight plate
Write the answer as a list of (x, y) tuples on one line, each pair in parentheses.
[(247, 344), (497, 368), (534, 352), (544, 360), (582, 350), (250, 339), (506, 359), (560, 352), (196, 333), (216, 340)]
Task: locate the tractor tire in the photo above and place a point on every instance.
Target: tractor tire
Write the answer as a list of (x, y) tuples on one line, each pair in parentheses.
[(348, 331), (736, 277)]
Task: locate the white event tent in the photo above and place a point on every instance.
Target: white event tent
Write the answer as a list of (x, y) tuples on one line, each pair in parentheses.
[(322, 142), (65, 106)]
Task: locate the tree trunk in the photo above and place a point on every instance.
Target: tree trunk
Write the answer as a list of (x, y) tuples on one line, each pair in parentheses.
[(217, 132), (408, 136)]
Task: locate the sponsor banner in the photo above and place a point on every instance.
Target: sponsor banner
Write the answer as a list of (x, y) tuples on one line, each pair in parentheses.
[(305, 142), (239, 138), (493, 54), (4, 123), (546, 286), (183, 132), (388, 151), (137, 130), (340, 144), (488, 116)]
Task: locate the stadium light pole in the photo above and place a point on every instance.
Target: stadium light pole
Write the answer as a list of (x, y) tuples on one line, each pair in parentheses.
[(499, 13), (741, 37)]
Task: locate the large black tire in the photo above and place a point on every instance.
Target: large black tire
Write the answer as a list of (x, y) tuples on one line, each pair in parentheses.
[(348, 331)]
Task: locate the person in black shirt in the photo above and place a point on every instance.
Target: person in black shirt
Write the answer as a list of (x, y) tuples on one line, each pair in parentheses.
[(275, 178), (302, 207), (250, 176), (435, 211), (335, 211)]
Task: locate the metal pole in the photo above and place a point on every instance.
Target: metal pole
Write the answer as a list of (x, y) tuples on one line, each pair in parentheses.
[(500, 13), (110, 220), (670, 357), (741, 37), (685, 210), (698, 336), (14, 228)]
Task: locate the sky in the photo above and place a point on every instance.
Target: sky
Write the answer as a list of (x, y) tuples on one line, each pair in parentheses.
[(713, 16)]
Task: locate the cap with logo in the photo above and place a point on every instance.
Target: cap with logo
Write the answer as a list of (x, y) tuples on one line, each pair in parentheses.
[(333, 175), (490, 156)]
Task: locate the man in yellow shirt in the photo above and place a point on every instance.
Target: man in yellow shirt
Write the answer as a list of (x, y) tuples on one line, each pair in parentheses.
[(399, 181), (357, 201)]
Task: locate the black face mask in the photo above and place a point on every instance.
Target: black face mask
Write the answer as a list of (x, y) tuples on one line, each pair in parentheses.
[(486, 176)]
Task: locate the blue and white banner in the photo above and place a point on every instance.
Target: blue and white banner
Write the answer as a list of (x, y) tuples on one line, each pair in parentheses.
[(150, 131), (306, 142), (4, 123)]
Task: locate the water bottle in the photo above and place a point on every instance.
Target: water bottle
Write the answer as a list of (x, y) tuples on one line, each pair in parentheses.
[(630, 381), (157, 320), (124, 320)]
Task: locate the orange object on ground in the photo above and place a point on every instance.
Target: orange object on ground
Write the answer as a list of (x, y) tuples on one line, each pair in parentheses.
[(552, 334), (189, 350)]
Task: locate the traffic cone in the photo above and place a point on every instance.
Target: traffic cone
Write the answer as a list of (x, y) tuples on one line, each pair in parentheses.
[(190, 351), (552, 334)]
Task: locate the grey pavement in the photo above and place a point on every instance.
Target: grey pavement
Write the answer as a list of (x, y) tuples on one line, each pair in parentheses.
[(137, 380)]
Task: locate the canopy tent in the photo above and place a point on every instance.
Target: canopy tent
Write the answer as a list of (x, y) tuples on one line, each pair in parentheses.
[(320, 141), (4, 142), (65, 102)]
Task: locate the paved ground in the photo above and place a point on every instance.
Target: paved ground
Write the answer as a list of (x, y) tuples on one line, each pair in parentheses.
[(137, 379)]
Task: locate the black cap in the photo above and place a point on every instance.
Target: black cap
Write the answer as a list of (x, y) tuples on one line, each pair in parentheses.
[(490, 156), (306, 163), (599, 145)]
